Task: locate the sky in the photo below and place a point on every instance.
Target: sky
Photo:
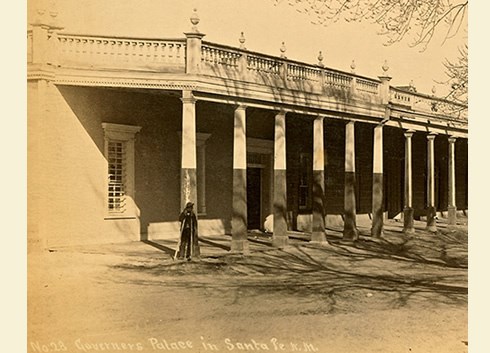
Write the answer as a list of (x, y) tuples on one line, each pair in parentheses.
[(266, 26)]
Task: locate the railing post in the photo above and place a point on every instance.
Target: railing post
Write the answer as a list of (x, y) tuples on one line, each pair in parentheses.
[(45, 26), (242, 60), (384, 88), (242, 64), (283, 70), (353, 86), (322, 72), (193, 47)]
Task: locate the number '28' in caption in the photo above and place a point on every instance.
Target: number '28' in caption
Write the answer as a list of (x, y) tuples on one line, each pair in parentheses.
[(58, 346)]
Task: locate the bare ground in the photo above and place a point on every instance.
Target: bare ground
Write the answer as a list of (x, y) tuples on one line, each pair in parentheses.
[(395, 294)]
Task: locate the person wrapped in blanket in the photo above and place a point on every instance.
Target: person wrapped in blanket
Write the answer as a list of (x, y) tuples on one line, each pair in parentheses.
[(188, 247)]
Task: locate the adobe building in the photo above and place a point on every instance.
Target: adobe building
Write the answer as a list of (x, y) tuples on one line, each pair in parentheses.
[(122, 132)]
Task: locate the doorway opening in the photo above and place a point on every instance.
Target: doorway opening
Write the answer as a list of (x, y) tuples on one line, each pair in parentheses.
[(259, 182), (254, 197)]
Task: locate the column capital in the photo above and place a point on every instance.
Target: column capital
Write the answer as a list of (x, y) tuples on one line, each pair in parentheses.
[(451, 139), (240, 107), (188, 97), (409, 133), (431, 136), (281, 112), (320, 117)]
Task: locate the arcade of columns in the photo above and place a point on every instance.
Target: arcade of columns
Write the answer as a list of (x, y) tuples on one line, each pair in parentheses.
[(350, 232), (193, 47)]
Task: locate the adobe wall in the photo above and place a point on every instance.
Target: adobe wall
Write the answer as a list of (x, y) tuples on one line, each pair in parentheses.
[(67, 171)]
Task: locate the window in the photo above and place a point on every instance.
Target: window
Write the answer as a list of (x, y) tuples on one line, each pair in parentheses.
[(116, 157), (119, 153)]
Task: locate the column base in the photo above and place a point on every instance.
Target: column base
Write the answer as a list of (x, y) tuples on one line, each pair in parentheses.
[(451, 215), (350, 234), (408, 221), (240, 246), (279, 242), (350, 228), (431, 220), (377, 222), (377, 233), (377, 226), (318, 237)]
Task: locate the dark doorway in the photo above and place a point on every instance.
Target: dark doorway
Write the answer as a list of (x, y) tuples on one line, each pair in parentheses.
[(394, 186), (254, 197)]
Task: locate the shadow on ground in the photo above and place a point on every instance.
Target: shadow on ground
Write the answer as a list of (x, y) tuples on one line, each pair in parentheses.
[(397, 270)]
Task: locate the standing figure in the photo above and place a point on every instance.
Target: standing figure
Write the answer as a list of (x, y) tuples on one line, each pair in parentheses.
[(188, 243)]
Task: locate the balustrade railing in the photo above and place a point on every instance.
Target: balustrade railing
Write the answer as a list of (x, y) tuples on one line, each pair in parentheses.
[(215, 55), (170, 55), (337, 79), (399, 96), (367, 86), (298, 72), (95, 50), (419, 102), (263, 64)]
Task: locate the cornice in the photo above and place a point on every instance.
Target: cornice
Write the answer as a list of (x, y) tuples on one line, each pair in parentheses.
[(128, 83), (40, 73), (252, 94)]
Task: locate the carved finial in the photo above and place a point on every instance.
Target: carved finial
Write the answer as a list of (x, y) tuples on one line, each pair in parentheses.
[(283, 50), (353, 66), (195, 20), (411, 87), (385, 67), (320, 59), (434, 90), (242, 41)]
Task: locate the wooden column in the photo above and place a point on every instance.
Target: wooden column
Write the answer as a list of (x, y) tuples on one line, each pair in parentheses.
[(407, 200), (318, 228), (279, 236), (239, 242), (431, 210), (377, 196), (350, 229), (188, 182), (451, 207)]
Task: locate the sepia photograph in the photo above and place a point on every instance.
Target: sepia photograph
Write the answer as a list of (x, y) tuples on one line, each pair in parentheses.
[(247, 176)]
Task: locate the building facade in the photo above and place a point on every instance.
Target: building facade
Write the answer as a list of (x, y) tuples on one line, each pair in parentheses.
[(122, 132)]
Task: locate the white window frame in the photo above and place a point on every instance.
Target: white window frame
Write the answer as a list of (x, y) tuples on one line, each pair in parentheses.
[(125, 134)]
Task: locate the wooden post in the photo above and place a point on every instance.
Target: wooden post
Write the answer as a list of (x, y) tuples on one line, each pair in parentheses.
[(189, 163), (377, 210), (239, 242), (451, 208), (350, 229), (318, 228), (408, 209), (280, 236), (431, 210)]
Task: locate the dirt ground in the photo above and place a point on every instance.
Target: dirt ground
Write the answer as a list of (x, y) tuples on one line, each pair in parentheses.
[(397, 294)]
